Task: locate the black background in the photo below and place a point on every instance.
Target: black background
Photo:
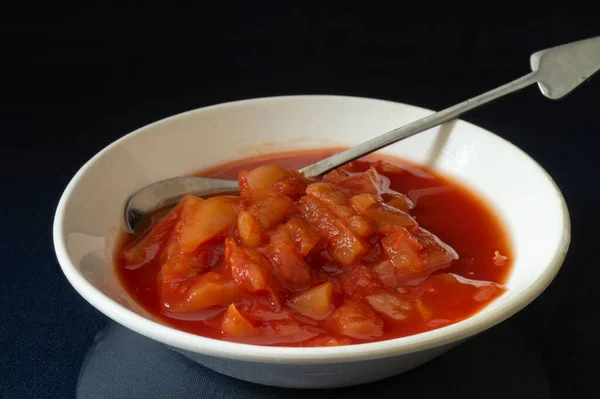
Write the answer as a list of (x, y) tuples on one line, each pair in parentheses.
[(74, 80)]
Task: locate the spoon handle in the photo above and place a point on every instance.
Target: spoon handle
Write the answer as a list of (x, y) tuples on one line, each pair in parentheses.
[(341, 158)]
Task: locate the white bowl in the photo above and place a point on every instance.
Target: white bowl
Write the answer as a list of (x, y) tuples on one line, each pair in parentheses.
[(88, 219)]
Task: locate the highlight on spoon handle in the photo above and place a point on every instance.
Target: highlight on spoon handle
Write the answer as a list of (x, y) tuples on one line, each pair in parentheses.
[(420, 125)]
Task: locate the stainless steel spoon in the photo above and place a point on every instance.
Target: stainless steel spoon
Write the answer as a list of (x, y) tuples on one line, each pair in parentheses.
[(557, 71)]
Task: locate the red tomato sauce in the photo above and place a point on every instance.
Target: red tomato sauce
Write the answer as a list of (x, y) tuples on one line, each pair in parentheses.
[(378, 249)]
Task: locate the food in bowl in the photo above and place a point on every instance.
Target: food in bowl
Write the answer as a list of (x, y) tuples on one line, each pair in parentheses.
[(377, 249), (87, 225)]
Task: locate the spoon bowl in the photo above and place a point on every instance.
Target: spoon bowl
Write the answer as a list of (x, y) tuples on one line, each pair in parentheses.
[(153, 197)]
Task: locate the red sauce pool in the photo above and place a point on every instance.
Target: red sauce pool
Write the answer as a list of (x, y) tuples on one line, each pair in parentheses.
[(445, 208)]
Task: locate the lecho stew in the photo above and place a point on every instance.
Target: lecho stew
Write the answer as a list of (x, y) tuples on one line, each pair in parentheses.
[(375, 250)]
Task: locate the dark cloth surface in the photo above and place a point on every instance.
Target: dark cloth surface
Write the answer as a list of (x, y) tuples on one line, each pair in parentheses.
[(75, 80), (124, 364)]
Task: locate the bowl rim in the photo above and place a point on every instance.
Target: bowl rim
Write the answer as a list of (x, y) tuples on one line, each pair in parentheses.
[(181, 340)]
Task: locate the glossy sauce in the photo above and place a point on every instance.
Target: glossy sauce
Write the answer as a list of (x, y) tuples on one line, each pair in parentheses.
[(443, 207)]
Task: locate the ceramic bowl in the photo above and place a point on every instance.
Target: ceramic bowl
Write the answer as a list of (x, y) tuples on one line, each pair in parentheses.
[(88, 220)]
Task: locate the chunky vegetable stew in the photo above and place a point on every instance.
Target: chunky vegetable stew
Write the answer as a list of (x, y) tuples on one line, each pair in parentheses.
[(378, 249)]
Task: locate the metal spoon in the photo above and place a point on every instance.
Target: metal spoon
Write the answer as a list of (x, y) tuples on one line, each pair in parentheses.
[(557, 71)]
